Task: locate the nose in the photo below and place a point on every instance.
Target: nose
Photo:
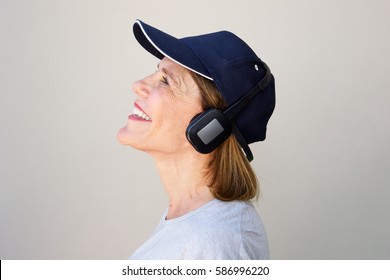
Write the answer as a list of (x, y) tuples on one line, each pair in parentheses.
[(140, 88)]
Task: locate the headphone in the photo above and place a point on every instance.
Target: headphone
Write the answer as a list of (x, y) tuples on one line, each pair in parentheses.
[(209, 129)]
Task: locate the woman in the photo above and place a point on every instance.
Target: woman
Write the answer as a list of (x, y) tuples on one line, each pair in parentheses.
[(210, 97)]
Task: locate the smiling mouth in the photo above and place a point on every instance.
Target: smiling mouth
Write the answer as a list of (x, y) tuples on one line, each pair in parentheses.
[(139, 114)]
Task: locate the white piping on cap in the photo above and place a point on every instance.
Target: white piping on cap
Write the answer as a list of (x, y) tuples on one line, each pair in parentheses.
[(154, 45)]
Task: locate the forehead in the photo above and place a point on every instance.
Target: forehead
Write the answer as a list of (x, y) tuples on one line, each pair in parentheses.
[(172, 66), (181, 81), (177, 73)]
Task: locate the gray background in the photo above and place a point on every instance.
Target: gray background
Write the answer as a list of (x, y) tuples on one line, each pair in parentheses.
[(70, 191)]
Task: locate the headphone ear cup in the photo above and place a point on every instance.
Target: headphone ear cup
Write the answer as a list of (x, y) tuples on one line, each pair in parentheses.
[(208, 130), (194, 119), (193, 127)]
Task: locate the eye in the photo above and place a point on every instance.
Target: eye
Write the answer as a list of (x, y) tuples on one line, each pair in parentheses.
[(165, 80)]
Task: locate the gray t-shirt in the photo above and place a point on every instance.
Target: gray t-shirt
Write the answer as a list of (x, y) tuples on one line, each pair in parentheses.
[(217, 230)]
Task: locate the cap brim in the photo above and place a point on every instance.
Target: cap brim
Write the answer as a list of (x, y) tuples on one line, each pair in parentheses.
[(162, 45)]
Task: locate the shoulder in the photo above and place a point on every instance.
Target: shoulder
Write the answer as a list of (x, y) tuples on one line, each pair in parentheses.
[(228, 230), (254, 243)]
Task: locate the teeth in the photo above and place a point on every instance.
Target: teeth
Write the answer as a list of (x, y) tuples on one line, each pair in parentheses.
[(141, 114)]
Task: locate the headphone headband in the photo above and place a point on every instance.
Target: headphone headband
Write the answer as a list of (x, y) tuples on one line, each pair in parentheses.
[(233, 110)]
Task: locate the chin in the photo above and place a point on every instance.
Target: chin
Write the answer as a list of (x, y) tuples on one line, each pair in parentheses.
[(126, 138), (123, 136)]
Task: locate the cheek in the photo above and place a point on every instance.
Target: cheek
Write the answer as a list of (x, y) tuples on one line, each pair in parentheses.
[(172, 114), (184, 112), (170, 111), (175, 123)]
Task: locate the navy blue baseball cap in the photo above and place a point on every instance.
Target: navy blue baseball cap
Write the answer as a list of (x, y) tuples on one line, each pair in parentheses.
[(226, 60)]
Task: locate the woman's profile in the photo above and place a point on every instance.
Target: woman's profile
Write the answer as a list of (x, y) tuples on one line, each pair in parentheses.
[(209, 98)]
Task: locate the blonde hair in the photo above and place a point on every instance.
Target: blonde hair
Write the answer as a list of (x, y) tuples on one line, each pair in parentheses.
[(230, 175)]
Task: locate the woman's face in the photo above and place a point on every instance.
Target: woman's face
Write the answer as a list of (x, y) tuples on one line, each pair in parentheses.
[(166, 102)]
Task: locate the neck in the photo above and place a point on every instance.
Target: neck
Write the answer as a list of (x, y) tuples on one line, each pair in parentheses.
[(183, 177)]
